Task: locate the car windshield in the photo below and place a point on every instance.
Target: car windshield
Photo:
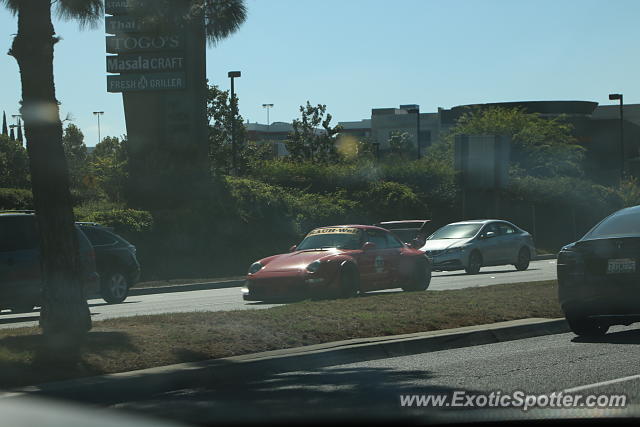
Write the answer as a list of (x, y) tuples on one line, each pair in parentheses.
[(618, 225), (456, 231), (342, 240)]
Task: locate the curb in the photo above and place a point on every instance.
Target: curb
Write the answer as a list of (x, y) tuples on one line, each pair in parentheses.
[(136, 385), (186, 288)]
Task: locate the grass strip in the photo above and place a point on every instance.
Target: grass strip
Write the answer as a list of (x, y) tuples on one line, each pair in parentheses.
[(131, 343)]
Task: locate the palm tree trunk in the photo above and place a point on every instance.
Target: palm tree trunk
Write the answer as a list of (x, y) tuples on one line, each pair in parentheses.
[(65, 312)]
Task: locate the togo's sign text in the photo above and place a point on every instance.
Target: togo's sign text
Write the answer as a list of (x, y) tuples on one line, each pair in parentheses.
[(144, 43), (146, 82), (145, 62)]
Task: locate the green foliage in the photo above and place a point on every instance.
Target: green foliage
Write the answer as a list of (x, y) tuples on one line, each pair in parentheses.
[(541, 147), (400, 145), (122, 220), (107, 171), (14, 164), (14, 198), (629, 191), (387, 200), (307, 142), (76, 153)]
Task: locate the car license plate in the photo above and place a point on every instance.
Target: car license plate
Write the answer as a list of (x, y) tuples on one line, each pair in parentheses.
[(625, 265)]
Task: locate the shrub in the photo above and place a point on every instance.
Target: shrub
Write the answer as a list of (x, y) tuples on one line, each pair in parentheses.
[(127, 221), (15, 198)]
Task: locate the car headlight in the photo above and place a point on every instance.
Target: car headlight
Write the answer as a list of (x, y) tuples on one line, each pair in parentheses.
[(313, 267), (255, 267)]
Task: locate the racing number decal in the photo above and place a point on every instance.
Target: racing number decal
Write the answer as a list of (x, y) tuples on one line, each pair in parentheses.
[(378, 264)]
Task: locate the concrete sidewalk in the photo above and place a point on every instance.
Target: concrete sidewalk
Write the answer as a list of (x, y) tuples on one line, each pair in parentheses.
[(137, 385)]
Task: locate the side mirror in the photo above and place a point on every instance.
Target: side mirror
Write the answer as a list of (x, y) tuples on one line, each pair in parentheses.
[(293, 248), (368, 246), (489, 234)]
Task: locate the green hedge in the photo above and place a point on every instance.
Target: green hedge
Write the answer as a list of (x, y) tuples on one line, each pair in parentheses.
[(14, 198)]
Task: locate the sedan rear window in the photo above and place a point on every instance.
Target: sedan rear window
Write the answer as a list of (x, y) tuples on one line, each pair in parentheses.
[(625, 223)]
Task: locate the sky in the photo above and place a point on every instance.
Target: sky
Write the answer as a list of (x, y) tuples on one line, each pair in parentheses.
[(354, 55)]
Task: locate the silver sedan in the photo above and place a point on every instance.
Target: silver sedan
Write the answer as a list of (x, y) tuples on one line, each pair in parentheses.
[(470, 245)]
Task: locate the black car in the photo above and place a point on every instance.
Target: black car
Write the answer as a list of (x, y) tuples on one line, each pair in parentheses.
[(598, 276), (115, 259), (20, 262)]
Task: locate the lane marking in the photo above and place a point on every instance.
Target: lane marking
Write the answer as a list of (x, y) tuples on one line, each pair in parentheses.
[(603, 383)]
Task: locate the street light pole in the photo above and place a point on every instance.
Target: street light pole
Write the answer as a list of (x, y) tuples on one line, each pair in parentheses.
[(98, 114), (612, 97), (234, 113), (267, 107), (418, 134)]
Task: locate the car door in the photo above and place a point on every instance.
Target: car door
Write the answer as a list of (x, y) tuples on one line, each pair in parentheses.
[(374, 270), (489, 246), (396, 261), (20, 275), (509, 242)]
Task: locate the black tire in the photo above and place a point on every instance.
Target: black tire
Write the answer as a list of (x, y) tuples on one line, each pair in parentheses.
[(585, 327), (114, 287), (524, 258), (420, 278), (475, 263), (349, 286)]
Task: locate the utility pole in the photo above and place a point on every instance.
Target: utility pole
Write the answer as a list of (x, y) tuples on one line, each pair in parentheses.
[(98, 114), (234, 113)]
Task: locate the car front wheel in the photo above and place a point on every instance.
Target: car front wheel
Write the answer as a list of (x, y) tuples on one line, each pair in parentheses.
[(475, 263), (115, 288), (349, 287)]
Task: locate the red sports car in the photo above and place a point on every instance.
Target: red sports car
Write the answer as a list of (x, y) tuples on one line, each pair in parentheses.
[(341, 261)]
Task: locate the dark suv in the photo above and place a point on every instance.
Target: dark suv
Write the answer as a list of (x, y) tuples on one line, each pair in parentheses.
[(116, 261), (20, 266)]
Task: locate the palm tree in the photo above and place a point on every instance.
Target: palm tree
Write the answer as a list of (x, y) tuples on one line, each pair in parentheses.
[(65, 312)]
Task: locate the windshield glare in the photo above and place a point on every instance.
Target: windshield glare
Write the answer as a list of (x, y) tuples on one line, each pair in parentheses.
[(456, 231), (340, 241)]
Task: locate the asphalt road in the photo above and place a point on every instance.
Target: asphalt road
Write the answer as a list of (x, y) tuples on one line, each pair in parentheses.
[(541, 365), (230, 298)]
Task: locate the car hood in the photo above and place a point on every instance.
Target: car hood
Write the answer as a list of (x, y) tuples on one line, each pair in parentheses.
[(442, 244), (297, 260)]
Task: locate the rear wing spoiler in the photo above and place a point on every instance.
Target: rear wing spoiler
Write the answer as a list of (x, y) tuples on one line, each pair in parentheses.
[(406, 224)]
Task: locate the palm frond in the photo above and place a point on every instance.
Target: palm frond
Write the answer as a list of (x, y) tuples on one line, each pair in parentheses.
[(12, 5), (223, 18), (88, 13)]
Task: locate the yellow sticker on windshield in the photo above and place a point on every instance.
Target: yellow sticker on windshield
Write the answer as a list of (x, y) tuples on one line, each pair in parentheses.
[(341, 230)]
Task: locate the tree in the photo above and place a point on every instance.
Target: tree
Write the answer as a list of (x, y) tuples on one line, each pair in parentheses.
[(14, 164), (309, 143), (19, 137), (5, 130), (76, 153), (400, 144), (108, 167), (541, 147), (65, 314)]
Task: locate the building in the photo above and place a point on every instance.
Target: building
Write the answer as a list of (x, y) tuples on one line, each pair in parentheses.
[(597, 128)]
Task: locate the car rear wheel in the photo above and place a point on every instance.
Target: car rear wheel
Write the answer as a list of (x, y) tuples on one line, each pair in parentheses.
[(586, 327), (421, 278), (524, 258), (475, 263), (115, 288), (349, 287)]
